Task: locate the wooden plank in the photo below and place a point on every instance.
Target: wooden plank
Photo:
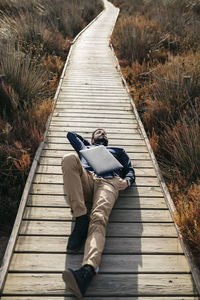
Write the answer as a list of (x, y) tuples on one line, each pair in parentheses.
[(85, 106), (90, 104), (66, 123), (112, 142), (93, 87), (56, 161), (94, 120), (64, 214), (55, 244), (86, 134), (83, 130), (103, 284), (61, 153), (84, 99), (122, 202), (58, 189), (95, 111), (51, 178), (97, 116), (91, 99), (129, 145), (42, 262), (55, 228), (98, 298), (67, 146), (139, 172)]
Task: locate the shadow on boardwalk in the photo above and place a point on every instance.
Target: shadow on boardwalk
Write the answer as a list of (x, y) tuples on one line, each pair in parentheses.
[(120, 256)]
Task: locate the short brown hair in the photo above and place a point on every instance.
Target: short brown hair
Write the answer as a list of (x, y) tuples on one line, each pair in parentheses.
[(96, 130)]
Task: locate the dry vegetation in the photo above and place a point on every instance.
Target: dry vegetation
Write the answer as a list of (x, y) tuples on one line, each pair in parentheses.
[(35, 37), (157, 43)]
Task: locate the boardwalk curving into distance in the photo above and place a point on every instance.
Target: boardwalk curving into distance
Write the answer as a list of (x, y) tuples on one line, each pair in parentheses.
[(142, 259)]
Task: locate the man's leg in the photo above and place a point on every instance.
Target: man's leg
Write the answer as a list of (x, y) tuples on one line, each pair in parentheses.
[(78, 184), (105, 194), (79, 188)]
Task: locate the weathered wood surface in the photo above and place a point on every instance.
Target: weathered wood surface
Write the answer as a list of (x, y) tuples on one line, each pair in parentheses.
[(102, 284), (55, 228), (142, 259), (64, 214), (124, 202), (58, 179), (61, 153), (56, 161), (42, 262), (99, 298), (56, 170), (56, 244)]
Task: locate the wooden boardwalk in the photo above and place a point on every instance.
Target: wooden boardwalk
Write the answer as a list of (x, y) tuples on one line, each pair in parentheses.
[(142, 258)]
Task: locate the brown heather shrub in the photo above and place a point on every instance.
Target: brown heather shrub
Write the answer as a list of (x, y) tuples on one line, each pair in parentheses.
[(135, 38), (176, 21), (69, 17), (19, 140), (55, 44), (53, 63), (188, 214), (129, 6), (35, 37), (26, 78), (164, 80), (136, 74), (155, 116), (13, 8), (154, 141), (195, 6), (174, 90), (180, 150), (23, 164)]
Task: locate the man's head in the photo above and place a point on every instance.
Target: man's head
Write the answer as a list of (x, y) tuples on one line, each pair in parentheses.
[(99, 137)]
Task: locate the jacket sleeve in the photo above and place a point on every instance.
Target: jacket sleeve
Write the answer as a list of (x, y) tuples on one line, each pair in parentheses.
[(127, 171), (77, 141)]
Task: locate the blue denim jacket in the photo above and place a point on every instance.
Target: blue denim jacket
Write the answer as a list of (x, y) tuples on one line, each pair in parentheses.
[(79, 143)]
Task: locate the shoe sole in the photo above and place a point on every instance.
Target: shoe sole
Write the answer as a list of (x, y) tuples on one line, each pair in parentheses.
[(71, 283), (74, 250)]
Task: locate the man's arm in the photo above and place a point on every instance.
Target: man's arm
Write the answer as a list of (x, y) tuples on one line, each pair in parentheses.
[(77, 141), (128, 172)]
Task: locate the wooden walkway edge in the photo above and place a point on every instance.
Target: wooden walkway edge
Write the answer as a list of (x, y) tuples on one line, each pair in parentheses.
[(143, 258)]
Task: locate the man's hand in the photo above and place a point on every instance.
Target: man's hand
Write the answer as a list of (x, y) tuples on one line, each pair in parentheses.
[(123, 184)]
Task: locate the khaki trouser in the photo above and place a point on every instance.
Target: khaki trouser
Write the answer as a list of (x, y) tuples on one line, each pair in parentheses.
[(82, 186)]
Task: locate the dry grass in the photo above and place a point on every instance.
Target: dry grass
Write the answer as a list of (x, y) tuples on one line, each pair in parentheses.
[(18, 143), (157, 44), (35, 37), (188, 214), (136, 37), (24, 80), (180, 150)]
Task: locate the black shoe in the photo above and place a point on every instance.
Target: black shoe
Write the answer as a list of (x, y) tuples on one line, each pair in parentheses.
[(78, 234), (79, 280)]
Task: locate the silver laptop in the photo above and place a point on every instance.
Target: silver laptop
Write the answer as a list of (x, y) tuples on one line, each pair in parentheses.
[(101, 160)]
